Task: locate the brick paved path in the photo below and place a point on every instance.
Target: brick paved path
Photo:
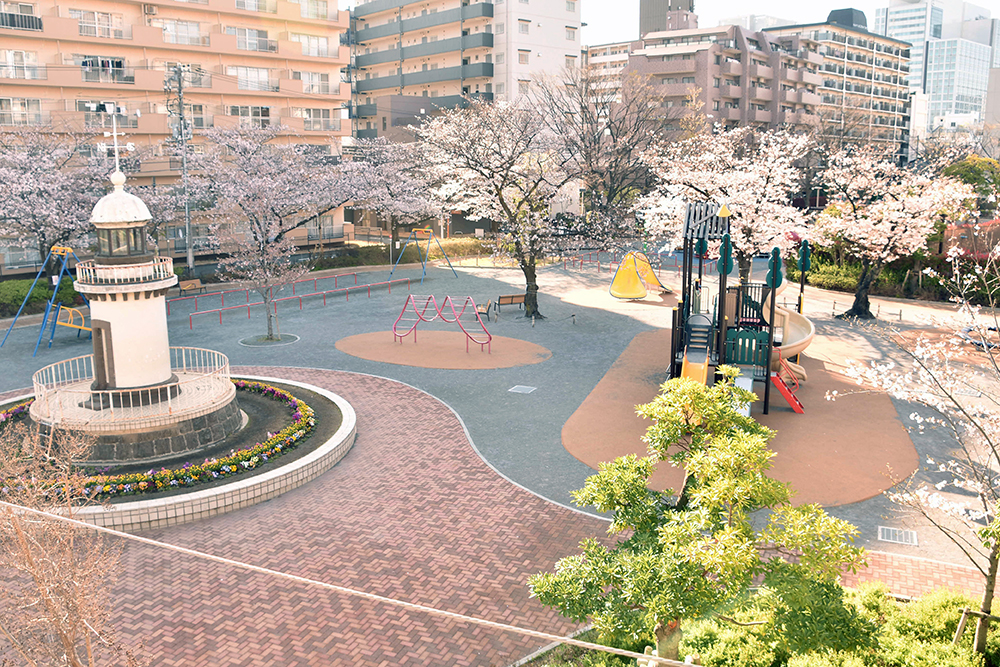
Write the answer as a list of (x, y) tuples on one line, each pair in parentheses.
[(411, 512)]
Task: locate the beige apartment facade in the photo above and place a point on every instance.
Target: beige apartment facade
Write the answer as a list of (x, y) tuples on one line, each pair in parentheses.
[(259, 62), (742, 77), (864, 91)]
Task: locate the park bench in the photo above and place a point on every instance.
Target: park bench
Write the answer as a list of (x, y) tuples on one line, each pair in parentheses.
[(485, 310), (189, 286), (508, 300)]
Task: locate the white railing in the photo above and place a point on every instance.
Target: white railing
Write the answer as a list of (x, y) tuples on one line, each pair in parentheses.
[(63, 396), (89, 273)]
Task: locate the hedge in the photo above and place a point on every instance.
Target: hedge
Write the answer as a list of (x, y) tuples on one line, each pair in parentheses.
[(12, 293)]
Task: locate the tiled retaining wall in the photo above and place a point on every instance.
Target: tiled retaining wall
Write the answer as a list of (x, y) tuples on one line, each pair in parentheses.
[(161, 512)]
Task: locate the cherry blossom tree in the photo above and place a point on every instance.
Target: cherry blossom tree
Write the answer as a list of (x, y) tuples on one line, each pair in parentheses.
[(500, 163), (393, 180), (954, 382), (880, 211), (605, 129), (262, 188), (754, 173), (47, 189), (55, 603)]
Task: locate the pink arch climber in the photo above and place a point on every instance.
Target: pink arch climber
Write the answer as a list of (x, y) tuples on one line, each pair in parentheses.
[(415, 311)]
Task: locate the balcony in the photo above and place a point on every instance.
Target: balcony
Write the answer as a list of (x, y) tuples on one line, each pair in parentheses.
[(18, 71), (429, 76), (365, 110), (730, 91), (455, 15), (732, 68), (262, 45), (186, 40), (476, 40), (759, 93), (20, 21), (321, 124), (759, 116), (269, 86), (369, 8), (325, 233), (93, 119), (261, 6), (731, 114), (760, 71), (10, 118), (367, 134), (124, 75)]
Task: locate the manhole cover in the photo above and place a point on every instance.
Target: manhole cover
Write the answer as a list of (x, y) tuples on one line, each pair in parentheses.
[(521, 389)]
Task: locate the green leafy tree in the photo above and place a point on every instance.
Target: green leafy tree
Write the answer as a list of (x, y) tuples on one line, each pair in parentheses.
[(983, 174), (698, 556)]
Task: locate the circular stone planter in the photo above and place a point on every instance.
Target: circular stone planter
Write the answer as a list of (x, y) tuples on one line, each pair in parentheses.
[(187, 507)]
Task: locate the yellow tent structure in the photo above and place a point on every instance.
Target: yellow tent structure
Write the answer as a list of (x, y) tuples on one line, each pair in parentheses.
[(633, 276)]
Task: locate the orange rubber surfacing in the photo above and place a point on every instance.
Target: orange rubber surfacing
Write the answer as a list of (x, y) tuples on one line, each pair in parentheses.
[(838, 452), (442, 349)]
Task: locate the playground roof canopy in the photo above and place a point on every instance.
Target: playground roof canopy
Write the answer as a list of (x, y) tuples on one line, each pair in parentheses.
[(702, 222)]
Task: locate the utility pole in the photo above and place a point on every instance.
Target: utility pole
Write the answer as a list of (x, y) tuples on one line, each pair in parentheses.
[(182, 133)]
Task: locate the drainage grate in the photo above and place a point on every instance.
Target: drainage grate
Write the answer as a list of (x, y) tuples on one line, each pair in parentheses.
[(521, 389), (897, 536)]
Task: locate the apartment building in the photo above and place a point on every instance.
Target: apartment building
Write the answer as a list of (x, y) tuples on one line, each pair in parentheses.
[(864, 91), (258, 62), (414, 58), (662, 15), (744, 78)]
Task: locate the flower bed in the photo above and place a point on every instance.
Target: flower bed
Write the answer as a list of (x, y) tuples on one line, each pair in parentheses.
[(102, 487)]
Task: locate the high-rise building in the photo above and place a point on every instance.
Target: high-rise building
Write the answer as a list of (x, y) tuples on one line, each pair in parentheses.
[(661, 15), (864, 90), (955, 43), (256, 62), (415, 57)]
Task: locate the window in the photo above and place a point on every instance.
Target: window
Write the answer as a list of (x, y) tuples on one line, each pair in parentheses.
[(499, 59), (499, 28), (100, 24), (20, 65), (523, 57), (522, 87), (571, 5), (181, 32), (23, 8), (313, 82), (104, 69), (716, 82), (248, 39), (314, 9), (312, 45), (522, 27), (94, 115), (687, 79), (523, 2), (252, 116), (324, 227), (318, 119), (19, 258), (252, 78), (499, 89), (570, 62), (571, 34), (20, 111)]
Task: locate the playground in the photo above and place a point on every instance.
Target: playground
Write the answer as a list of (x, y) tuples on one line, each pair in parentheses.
[(474, 427)]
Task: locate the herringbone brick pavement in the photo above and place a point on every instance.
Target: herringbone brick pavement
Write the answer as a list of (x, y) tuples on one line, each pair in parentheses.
[(411, 512)]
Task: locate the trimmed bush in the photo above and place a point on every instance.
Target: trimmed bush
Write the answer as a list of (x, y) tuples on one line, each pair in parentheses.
[(12, 293)]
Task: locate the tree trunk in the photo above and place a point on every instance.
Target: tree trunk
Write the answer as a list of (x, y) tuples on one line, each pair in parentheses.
[(530, 289), (269, 312), (668, 639), (983, 624), (862, 308), (745, 262), (393, 230)]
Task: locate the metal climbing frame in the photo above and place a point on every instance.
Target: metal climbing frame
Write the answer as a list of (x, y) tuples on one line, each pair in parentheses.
[(423, 260), (421, 304)]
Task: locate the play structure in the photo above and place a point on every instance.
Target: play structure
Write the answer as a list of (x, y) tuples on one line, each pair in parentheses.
[(415, 311), (741, 325), (634, 277), (414, 237), (56, 313)]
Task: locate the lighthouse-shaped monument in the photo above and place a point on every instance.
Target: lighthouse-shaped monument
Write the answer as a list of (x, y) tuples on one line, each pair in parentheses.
[(141, 399), (127, 288)]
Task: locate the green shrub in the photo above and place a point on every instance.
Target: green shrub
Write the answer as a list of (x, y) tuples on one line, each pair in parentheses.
[(724, 645), (828, 659), (12, 293), (934, 617)]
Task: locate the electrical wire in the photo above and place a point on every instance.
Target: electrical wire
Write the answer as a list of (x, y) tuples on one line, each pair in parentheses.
[(411, 606)]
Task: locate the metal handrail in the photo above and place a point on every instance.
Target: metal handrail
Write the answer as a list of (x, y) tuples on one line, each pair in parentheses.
[(89, 273), (62, 387)]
